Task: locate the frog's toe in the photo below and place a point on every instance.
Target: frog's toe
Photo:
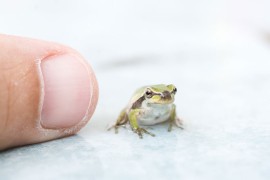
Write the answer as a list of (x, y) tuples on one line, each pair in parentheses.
[(140, 134), (179, 123), (137, 131), (110, 128), (115, 127), (147, 132), (170, 127)]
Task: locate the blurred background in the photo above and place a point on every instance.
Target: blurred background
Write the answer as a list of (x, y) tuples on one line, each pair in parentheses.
[(216, 52)]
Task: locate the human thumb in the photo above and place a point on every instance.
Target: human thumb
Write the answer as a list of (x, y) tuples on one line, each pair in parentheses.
[(47, 91)]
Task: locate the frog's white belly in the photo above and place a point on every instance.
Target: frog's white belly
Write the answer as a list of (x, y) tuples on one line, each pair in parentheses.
[(154, 114)]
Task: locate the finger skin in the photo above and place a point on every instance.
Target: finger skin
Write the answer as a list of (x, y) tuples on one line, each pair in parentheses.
[(21, 91)]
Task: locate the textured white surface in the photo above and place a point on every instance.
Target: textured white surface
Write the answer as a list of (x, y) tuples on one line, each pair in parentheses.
[(215, 52)]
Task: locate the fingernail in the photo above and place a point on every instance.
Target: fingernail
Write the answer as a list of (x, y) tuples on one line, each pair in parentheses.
[(66, 91)]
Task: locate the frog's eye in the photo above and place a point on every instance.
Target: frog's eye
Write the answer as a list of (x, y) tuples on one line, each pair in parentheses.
[(172, 88), (174, 91), (148, 93)]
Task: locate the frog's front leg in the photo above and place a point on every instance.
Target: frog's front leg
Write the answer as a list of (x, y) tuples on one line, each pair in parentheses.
[(121, 120), (133, 115), (174, 119)]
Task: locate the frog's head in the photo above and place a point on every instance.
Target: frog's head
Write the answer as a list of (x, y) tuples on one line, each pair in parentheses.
[(160, 94)]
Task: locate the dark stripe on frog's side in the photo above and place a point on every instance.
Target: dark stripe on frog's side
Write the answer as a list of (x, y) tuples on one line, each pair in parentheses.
[(138, 103)]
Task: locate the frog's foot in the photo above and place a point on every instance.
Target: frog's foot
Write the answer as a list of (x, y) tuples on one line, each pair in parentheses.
[(140, 132), (115, 127), (178, 123)]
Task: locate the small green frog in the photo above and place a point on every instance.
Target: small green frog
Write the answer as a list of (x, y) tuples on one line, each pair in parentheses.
[(148, 106)]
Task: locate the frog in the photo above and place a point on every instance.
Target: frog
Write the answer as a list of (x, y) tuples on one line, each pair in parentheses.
[(150, 105)]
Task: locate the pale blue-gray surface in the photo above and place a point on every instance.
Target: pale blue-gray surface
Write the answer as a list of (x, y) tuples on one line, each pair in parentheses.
[(217, 54)]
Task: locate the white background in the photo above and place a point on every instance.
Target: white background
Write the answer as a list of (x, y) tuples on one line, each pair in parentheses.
[(216, 52)]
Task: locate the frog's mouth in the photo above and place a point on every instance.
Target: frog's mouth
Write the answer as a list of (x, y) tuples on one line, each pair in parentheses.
[(162, 101)]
